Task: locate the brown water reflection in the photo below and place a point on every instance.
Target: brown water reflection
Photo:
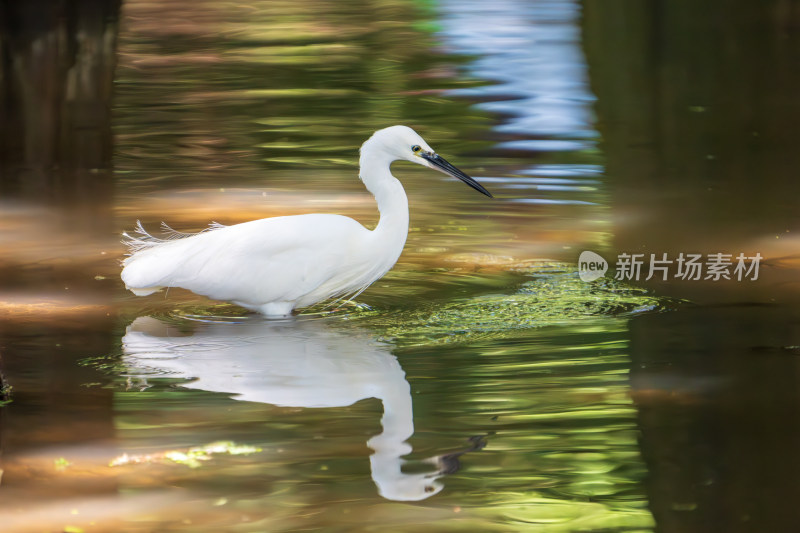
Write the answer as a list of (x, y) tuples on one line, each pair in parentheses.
[(600, 412), (698, 129), (56, 78), (698, 110)]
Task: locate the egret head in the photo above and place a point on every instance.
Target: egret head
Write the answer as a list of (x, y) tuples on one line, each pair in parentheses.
[(401, 142), (408, 487)]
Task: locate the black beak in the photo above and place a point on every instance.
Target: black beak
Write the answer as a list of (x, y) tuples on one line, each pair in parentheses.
[(441, 164)]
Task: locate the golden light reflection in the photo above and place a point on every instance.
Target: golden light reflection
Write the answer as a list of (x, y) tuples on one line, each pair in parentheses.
[(28, 306), (193, 457)]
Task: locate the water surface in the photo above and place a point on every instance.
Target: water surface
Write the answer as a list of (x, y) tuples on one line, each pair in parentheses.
[(481, 386)]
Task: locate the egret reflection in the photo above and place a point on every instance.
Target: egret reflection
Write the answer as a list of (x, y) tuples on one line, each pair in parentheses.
[(300, 362)]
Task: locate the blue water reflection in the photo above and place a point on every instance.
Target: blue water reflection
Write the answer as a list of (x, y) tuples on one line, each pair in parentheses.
[(532, 51)]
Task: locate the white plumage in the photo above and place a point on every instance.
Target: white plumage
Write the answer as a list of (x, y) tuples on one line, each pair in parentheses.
[(275, 265)]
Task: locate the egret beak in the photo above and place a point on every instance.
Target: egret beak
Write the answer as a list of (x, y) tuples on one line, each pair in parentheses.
[(441, 164)]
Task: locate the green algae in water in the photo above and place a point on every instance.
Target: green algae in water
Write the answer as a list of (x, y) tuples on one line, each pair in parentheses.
[(552, 297), (5, 393)]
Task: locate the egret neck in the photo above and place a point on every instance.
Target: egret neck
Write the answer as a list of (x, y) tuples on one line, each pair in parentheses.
[(392, 228)]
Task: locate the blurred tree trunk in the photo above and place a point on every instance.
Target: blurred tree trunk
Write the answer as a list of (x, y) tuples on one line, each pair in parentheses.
[(57, 60)]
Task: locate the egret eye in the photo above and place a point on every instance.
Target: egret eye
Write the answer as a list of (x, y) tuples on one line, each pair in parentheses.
[(416, 148)]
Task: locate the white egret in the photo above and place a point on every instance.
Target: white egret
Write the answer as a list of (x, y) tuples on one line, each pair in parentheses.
[(275, 265)]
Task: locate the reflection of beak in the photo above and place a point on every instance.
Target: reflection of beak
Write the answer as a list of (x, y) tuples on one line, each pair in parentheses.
[(441, 164)]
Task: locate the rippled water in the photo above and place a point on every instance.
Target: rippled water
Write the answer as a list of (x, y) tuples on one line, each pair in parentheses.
[(481, 385)]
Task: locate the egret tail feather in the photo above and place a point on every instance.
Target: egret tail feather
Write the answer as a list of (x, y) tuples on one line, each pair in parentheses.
[(143, 240)]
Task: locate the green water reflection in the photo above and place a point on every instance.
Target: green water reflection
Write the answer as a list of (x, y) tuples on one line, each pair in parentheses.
[(519, 397), (552, 404)]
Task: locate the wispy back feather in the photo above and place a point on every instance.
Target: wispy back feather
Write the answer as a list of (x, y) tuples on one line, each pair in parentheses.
[(143, 240)]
